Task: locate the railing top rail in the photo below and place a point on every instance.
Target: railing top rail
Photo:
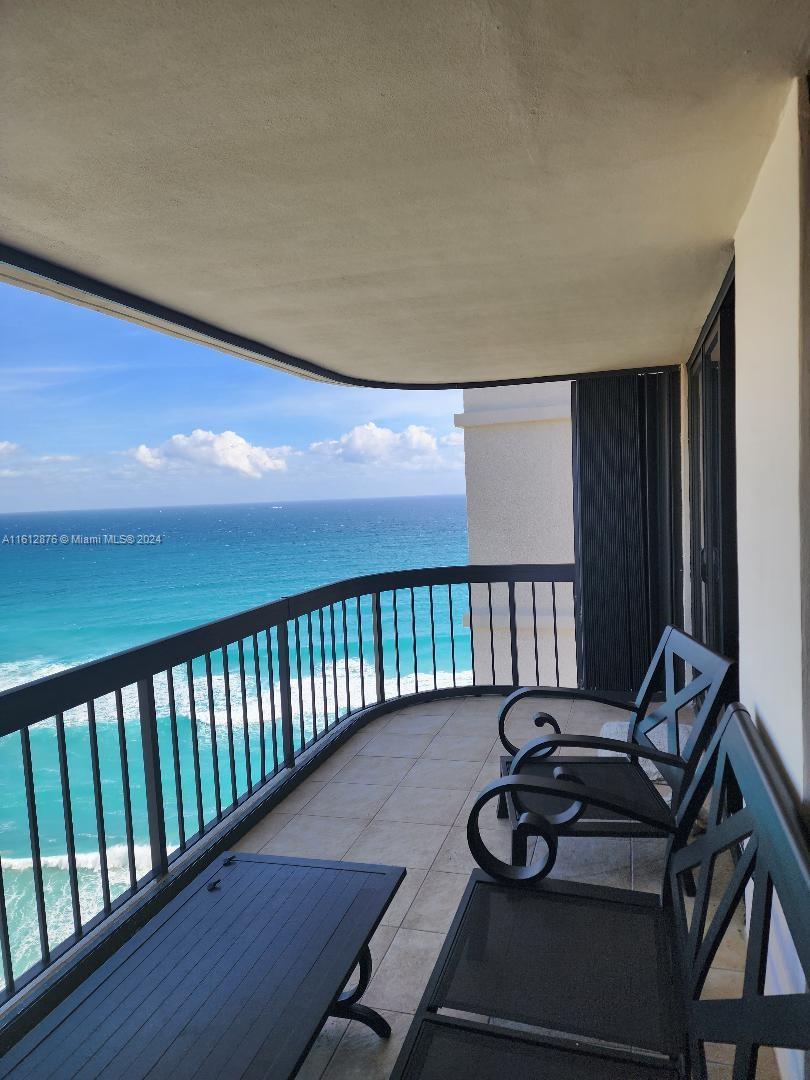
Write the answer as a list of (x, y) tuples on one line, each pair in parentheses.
[(43, 698)]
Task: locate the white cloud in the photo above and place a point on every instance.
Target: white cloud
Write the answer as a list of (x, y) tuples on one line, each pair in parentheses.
[(455, 438), (414, 447), (224, 451), (7, 447), (58, 457)]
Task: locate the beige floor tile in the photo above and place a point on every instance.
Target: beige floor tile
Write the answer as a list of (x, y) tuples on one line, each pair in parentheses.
[(401, 978), (322, 1049), (383, 936), (417, 723), (382, 770), (263, 832), (472, 725), (488, 818), (387, 842), (338, 800), (730, 955), (336, 761), (404, 896), (722, 984), (455, 858), (300, 796), (433, 773), (431, 806), (649, 859), (491, 771), (361, 1055), (394, 745), (460, 747), (598, 860), (316, 837), (436, 902)]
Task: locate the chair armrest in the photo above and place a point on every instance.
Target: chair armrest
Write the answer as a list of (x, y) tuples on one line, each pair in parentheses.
[(618, 701), (546, 826), (545, 745)]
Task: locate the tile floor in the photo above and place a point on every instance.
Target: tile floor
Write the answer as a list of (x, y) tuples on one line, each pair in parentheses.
[(399, 792)]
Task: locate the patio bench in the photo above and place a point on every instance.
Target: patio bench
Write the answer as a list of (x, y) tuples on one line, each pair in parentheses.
[(655, 736), (234, 977), (566, 980)]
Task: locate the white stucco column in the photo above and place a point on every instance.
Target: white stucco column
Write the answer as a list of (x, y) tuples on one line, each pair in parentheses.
[(517, 446)]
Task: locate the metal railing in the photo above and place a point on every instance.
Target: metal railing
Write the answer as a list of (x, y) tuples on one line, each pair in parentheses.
[(116, 768)]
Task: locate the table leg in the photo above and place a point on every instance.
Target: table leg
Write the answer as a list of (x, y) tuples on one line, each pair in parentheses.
[(347, 1005)]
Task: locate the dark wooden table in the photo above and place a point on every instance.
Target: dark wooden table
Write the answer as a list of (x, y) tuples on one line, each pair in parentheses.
[(235, 977)]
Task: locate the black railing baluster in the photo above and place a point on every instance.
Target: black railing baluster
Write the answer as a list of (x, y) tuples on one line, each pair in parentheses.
[(360, 652), (324, 691), (268, 641), (123, 756), (67, 811), (257, 675), (178, 781), (472, 633), (413, 635), (396, 641), (452, 632), (334, 661), (195, 743), (491, 630), (5, 943), (513, 643), (556, 643), (33, 834), (285, 695), (433, 636), (377, 643), (299, 677), (534, 627), (312, 676), (240, 648), (346, 656), (212, 721), (95, 769), (151, 770), (226, 678)]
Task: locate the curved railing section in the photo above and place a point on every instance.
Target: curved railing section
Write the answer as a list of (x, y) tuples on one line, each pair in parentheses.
[(113, 770)]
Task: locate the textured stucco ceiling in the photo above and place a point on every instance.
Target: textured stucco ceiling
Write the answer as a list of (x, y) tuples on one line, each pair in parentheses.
[(414, 191)]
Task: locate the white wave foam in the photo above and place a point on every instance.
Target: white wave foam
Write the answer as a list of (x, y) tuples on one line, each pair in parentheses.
[(16, 672), (117, 859)]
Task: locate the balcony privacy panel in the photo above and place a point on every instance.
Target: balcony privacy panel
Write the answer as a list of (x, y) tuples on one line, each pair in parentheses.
[(626, 522)]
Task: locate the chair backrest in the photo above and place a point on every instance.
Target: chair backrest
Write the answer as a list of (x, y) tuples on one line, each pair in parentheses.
[(752, 859), (705, 674)]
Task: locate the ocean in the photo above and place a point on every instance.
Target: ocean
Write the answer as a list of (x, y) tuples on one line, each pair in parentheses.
[(66, 603)]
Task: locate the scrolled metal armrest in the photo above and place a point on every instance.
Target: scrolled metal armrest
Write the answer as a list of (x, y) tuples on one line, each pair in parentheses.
[(541, 719), (544, 745), (534, 823)]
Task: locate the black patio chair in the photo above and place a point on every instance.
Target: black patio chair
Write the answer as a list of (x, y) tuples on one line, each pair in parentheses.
[(567, 980), (654, 735)]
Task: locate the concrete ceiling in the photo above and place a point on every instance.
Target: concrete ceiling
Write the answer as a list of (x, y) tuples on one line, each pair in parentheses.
[(408, 192)]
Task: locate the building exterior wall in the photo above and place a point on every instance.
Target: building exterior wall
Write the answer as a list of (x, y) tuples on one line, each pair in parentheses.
[(773, 503), (770, 357), (517, 447)]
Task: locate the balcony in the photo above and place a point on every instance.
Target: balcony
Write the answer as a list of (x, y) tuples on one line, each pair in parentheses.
[(355, 722)]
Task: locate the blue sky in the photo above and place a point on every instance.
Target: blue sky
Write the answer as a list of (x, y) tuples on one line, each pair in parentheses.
[(98, 412)]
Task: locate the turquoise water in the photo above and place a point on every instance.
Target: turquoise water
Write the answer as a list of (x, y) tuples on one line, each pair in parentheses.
[(64, 604)]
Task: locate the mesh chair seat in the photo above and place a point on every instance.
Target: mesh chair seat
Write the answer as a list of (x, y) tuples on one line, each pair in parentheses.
[(617, 775), (452, 1051), (584, 960)]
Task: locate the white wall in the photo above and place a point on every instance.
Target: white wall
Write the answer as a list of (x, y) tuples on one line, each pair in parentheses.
[(773, 501), (517, 449), (770, 357)]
